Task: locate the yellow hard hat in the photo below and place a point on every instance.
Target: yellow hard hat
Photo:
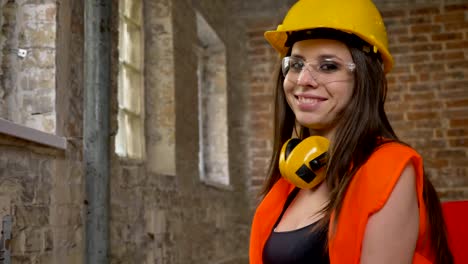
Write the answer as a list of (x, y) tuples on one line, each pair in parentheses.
[(359, 17), (303, 162)]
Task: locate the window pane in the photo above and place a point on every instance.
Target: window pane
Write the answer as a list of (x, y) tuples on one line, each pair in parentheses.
[(130, 44), (130, 89), (134, 134), (131, 9), (120, 147)]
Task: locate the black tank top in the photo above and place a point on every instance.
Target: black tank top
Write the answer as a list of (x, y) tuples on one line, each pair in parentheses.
[(300, 246)]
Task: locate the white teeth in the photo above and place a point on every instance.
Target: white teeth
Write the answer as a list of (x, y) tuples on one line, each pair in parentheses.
[(307, 100)]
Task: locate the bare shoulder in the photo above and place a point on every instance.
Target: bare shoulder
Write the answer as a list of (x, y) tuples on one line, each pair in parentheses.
[(391, 233)]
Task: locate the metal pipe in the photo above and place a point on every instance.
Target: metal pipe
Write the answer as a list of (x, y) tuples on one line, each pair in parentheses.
[(97, 53)]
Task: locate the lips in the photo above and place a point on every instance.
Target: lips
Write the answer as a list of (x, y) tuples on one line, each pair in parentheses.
[(309, 102)]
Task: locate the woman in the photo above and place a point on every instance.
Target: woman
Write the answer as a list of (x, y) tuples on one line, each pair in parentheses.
[(345, 190)]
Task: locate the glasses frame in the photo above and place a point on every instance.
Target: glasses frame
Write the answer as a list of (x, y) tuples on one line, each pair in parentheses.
[(311, 66)]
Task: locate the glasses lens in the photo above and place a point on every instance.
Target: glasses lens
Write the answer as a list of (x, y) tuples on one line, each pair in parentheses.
[(324, 71)]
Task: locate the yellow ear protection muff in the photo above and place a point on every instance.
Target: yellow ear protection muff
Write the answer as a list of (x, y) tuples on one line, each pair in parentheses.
[(302, 162)]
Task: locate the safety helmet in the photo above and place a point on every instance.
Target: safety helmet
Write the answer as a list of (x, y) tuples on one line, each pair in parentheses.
[(358, 17)]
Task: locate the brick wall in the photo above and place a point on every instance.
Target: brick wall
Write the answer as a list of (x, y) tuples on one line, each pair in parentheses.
[(428, 88), (428, 95)]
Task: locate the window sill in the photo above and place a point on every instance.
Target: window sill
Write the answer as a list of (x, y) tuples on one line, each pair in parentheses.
[(217, 185), (31, 134)]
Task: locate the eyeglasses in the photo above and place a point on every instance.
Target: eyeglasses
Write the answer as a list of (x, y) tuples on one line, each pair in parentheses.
[(325, 71)]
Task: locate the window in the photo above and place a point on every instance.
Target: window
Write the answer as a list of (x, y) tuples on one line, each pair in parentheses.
[(212, 103), (129, 141)]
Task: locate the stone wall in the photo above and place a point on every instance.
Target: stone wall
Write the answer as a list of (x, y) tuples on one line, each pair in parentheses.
[(27, 84), (166, 214), (427, 99), (158, 214)]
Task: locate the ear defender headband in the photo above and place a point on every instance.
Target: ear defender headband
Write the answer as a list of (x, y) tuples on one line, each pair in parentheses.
[(302, 162)]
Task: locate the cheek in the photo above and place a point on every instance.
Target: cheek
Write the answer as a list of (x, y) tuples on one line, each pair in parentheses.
[(347, 93), (287, 87)]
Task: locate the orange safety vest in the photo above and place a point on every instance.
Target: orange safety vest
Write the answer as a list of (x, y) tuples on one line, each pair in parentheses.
[(366, 194)]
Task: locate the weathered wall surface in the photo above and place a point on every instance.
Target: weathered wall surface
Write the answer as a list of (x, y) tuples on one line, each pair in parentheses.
[(161, 215), (27, 84), (158, 214), (428, 89)]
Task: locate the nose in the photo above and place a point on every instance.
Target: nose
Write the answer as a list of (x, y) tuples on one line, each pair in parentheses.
[(306, 78)]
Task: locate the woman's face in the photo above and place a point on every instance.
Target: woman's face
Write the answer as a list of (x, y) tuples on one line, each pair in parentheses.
[(319, 82)]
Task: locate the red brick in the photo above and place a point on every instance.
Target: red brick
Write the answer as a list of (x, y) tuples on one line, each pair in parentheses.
[(424, 77), (458, 163), (420, 20), (424, 87), (448, 55), (425, 11), (436, 163), (459, 123), (413, 58), (450, 154), (457, 103), (397, 30), (437, 143), (401, 69), (457, 65), (449, 27), (416, 134), (407, 78), (421, 115), (458, 132), (413, 39), (391, 79), (426, 47), (430, 105), (459, 142), (439, 133), (428, 67), (401, 49), (455, 113), (427, 123), (393, 117), (447, 36), (455, 85), (458, 17), (456, 7), (393, 13), (419, 97), (425, 28), (401, 125), (457, 45), (438, 76), (453, 94)]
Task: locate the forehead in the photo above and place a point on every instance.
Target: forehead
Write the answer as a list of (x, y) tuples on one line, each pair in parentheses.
[(311, 48)]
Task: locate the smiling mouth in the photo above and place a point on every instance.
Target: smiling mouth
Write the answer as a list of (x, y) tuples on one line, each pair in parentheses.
[(308, 100)]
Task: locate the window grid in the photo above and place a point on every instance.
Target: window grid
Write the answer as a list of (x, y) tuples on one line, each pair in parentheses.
[(129, 140)]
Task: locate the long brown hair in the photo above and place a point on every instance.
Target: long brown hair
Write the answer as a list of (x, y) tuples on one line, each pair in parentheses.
[(359, 128)]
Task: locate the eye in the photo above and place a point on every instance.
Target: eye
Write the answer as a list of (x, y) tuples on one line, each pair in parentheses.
[(296, 65), (328, 66)]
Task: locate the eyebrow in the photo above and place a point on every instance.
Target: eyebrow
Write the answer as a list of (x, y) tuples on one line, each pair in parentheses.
[(321, 57)]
